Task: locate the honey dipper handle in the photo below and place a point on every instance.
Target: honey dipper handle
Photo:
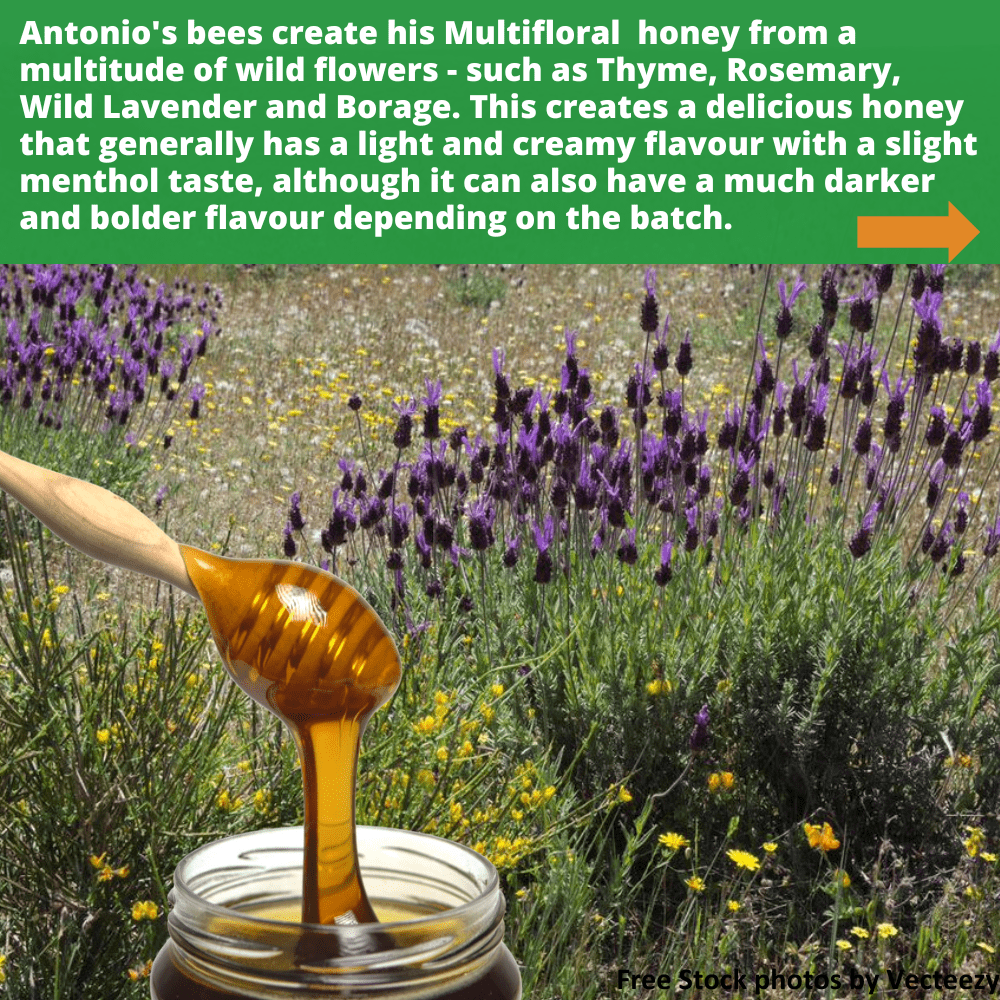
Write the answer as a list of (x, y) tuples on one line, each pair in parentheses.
[(95, 521)]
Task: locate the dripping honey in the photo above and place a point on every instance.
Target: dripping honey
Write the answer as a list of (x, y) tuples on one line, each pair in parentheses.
[(309, 649)]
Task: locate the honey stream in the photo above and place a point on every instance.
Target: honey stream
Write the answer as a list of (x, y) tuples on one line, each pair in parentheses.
[(308, 648)]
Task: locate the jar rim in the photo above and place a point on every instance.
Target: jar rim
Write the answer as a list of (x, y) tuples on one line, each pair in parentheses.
[(217, 935), (182, 890)]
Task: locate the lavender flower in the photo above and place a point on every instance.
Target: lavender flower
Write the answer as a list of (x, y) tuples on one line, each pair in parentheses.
[(295, 518), (661, 355), (544, 534), (816, 430), (861, 541), (510, 552), (829, 297), (698, 740), (883, 278), (432, 403), (982, 417), (402, 437), (862, 316), (783, 318), (925, 351), (649, 317), (664, 573), (627, 552), (991, 362), (684, 361), (482, 516), (935, 277), (992, 539)]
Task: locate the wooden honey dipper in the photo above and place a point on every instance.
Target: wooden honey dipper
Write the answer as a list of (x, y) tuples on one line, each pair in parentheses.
[(299, 641)]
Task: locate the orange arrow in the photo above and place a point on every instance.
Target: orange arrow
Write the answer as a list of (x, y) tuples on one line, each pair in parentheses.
[(953, 231)]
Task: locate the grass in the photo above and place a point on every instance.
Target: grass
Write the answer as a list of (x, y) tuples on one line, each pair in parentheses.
[(549, 728)]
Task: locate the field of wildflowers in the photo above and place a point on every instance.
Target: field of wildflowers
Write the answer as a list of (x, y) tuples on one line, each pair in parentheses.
[(691, 570)]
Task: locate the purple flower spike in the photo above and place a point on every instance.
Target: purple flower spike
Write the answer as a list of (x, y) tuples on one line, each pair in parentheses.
[(862, 316), (861, 542), (510, 552), (544, 533), (788, 298), (627, 552), (664, 573), (684, 360), (699, 737), (295, 518), (927, 306), (543, 539), (982, 416), (650, 280), (571, 343), (289, 543), (197, 395), (432, 414), (992, 540)]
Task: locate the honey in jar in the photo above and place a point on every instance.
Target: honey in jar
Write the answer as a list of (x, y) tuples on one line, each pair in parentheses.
[(234, 935)]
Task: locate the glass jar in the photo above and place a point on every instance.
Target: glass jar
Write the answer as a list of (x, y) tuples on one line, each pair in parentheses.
[(235, 930)]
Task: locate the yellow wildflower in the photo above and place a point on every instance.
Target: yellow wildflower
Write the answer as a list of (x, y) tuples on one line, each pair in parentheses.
[(3, 962), (714, 781), (733, 906), (98, 860), (138, 972), (442, 753), (974, 842), (727, 780), (769, 847), (496, 690), (145, 910), (821, 837), (860, 932), (103, 735), (695, 883), (987, 856), (844, 945), (886, 930), (744, 859), (624, 795), (426, 725), (988, 948), (673, 841), (224, 801)]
